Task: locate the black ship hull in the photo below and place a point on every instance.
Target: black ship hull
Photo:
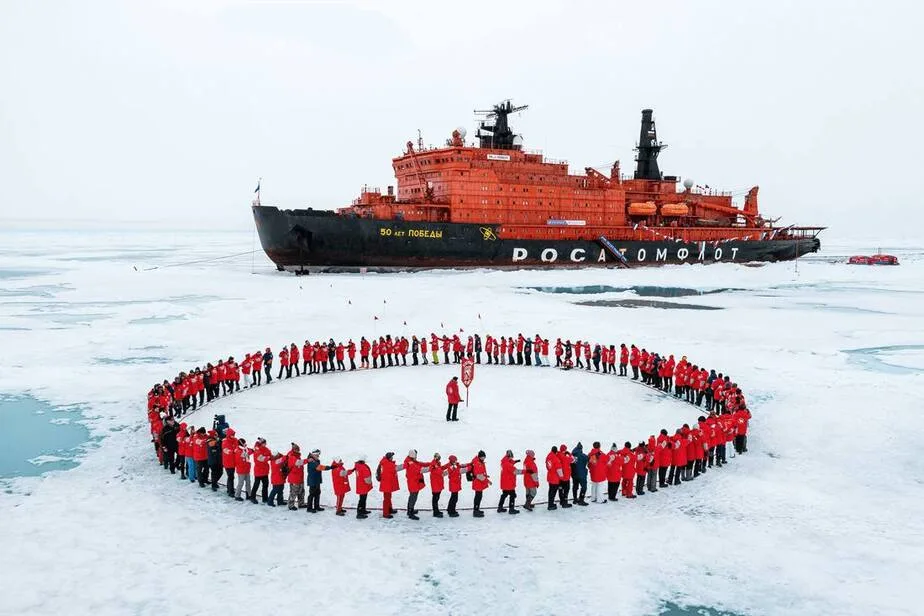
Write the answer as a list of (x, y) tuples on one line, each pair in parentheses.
[(310, 240)]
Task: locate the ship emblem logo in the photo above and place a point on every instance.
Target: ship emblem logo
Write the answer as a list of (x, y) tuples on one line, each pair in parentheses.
[(487, 234)]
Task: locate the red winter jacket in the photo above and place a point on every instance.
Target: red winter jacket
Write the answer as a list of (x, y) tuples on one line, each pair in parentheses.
[(508, 478), (613, 467), (553, 468), (413, 473), (340, 479), (742, 417), (530, 473), (455, 476), (597, 463), (387, 474), (363, 478), (200, 448), (664, 451), (679, 451), (627, 459), (566, 460), (242, 462), (452, 392), (296, 469), (437, 471), (276, 476), (229, 449), (480, 482), (641, 461), (261, 460)]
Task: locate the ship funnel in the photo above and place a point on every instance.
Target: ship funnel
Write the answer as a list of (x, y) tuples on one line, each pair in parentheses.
[(648, 149)]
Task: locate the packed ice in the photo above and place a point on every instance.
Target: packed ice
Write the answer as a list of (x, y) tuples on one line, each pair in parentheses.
[(823, 515)]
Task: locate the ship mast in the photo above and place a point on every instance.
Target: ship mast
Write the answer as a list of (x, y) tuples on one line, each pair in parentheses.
[(494, 131), (648, 149)]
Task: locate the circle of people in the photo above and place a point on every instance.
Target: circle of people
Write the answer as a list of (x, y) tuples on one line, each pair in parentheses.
[(202, 455)]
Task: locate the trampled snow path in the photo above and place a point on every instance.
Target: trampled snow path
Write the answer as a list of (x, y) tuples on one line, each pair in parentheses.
[(823, 516)]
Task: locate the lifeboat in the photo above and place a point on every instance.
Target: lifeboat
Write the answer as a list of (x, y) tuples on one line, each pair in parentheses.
[(675, 209), (643, 208)]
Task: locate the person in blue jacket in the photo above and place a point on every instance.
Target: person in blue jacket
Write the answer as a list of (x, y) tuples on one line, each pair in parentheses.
[(313, 478), (579, 475)]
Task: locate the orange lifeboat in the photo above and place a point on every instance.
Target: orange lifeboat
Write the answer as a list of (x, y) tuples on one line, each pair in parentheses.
[(675, 209), (644, 208)]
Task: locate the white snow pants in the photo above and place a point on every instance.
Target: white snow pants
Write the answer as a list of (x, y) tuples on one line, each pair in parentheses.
[(597, 492)]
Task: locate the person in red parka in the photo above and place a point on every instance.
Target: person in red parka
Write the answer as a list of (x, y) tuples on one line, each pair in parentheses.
[(284, 363), (294, 358), (363, 485), (454, 473), (452, 396), (261, 468), (242, 470), (663, 454), (641, 468), (278, 479), (627, 458), (742, 418), (564, 486), (341, 481), (229, 455), (295, 477), (437, 472), (678, 458), (200, 453), (553, 475), (387, 476), (508, 483), (480, 482), (613, 472), (530, 479), (634, 359), (596, 462), (413, 474)]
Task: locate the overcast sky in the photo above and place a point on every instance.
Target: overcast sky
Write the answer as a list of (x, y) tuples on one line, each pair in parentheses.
[(168, 112)]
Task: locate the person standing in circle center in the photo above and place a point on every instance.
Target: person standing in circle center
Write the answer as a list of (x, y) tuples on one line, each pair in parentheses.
[(452, 396)]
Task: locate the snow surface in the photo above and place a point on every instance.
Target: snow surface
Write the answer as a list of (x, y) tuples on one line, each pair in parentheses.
[(825, 515)]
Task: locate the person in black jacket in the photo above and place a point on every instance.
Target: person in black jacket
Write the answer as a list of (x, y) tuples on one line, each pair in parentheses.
[(477, 349), (168, 442), (214, 459), (268, 365), (528, 351)]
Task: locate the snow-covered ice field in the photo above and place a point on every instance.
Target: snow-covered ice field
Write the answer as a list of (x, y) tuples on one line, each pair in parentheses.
[(824, 515)]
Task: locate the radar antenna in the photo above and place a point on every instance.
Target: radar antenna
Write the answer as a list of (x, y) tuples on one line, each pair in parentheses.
[(494, 130)]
